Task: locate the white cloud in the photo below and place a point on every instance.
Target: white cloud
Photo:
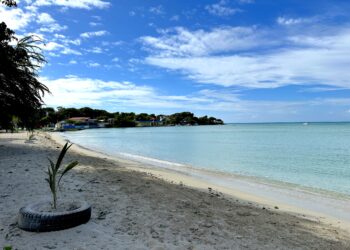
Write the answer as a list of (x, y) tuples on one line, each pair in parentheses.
[(72, 62), (15, 18), (93, 24), (69, 51), (51, 46), (110, 44), (97, 17), (45, 18), (75, 91), (310, 60), (48, 23), (158, 10), (72, 90), (94, 34), (175, 18), (96, 50), (19, 19), (59, 36), (221, 9), (82, 4), (78, 92), (94, 65), (291, 21), (322, 89), (65, 40), (183, 42), (75, 41), (52, 27), (246, 1), (58, 49)]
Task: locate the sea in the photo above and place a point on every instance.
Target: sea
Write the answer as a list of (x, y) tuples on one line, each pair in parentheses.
[(310, 156)]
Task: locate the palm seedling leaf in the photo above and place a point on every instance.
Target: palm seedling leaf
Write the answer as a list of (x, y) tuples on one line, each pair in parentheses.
[(62, 154), (52, 167), (69, 167), (53, 170), (50, 179)]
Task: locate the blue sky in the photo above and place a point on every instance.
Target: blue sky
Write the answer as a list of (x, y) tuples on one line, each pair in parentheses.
[(239, 60)]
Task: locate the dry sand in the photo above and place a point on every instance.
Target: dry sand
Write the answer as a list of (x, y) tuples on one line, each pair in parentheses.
[(133, 209)]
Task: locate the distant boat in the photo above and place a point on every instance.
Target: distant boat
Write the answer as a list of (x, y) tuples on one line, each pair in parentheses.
[(305, 123)]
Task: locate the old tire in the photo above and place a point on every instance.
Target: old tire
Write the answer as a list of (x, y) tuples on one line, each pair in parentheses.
[(30, 218)]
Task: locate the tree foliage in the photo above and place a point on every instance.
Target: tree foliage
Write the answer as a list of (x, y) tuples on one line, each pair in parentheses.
[(124, 119), (20, 91), (9, 3)]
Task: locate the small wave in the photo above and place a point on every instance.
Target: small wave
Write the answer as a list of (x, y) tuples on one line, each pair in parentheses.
[(149, 160)]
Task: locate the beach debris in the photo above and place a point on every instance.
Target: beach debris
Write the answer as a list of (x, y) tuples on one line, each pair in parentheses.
[(276, 207), (154, 233), (247, 213), (213, 193), (49, 247), (207, 225), (102, 215)]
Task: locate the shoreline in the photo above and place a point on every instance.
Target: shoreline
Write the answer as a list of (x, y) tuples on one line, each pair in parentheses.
[(300, 202), (135, 207)]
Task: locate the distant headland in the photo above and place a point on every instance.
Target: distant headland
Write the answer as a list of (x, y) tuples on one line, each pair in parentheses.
[(83, 118)]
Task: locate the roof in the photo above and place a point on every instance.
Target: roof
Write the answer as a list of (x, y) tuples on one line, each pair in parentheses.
[(78, 118)]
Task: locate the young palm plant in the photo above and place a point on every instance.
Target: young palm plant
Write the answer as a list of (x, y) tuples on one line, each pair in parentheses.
[(53, 171)]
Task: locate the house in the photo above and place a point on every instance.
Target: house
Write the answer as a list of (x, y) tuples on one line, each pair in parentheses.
[(153, 122), (77, 123)]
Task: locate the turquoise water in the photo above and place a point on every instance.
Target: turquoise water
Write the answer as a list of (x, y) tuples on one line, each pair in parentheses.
[(312, 156)]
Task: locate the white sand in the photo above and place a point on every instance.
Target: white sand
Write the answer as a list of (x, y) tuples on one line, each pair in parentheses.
[(137, 210)]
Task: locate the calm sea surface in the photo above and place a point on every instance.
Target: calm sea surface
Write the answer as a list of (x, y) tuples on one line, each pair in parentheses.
[(312, 156)]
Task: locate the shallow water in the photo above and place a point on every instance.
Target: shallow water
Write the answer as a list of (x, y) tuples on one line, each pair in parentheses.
[(314, 156)]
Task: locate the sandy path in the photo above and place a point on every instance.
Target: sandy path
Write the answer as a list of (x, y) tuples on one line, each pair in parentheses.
[(134, 210)]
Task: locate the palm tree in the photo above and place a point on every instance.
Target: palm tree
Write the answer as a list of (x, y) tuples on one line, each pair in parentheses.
[(20, 91)]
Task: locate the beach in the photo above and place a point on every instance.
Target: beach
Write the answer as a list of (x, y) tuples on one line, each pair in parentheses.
[(137, 206)]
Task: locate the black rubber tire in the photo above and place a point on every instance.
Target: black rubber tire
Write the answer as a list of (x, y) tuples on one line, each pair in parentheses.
[(30, 219)]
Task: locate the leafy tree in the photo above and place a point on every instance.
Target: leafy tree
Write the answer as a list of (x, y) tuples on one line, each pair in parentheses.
[(182, 118), (20, 91), (49, 115), (142, 117), (9, 3), (124, 120)]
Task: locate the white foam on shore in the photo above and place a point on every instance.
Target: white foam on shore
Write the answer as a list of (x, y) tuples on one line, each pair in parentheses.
[(308, 199), (287, 197)]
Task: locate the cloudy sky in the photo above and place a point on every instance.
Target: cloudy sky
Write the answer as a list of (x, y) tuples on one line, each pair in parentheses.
[(239, 60)]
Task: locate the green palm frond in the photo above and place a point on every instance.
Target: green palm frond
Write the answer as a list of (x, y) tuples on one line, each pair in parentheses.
[(53, 170), (68, 167)]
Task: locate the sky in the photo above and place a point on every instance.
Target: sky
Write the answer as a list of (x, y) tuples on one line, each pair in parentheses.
[(238, 60)]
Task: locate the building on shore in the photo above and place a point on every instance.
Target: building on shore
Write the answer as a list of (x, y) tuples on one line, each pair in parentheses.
[(78, 123), (153, 122)]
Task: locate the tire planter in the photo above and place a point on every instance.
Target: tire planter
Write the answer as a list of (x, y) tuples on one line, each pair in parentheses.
[(31, 218)]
